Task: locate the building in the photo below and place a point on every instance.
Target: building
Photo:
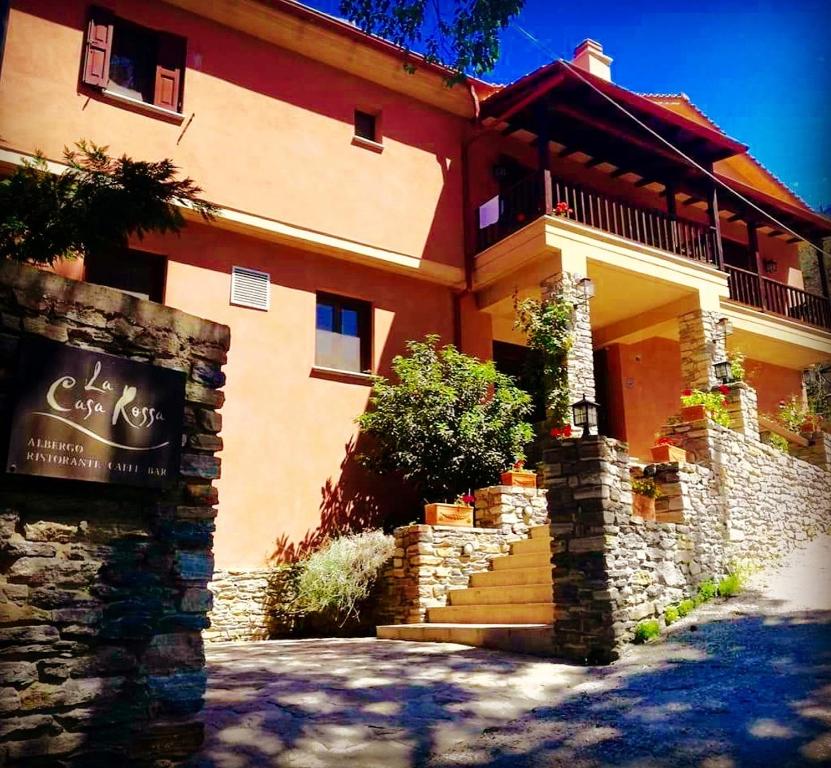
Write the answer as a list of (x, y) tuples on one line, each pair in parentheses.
[(361, 206)]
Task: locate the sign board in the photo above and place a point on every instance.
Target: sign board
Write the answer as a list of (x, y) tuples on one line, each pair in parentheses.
[(90, 416)]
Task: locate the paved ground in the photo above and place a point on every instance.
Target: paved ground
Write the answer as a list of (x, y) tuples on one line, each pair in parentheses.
[(743, 683)]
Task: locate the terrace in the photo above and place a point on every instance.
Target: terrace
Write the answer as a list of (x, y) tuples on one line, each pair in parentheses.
[(563, 149)]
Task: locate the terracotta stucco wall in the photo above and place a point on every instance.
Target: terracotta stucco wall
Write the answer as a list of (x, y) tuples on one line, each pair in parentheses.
[(270, 132), (645, 385), (287, 433), (772, 383)]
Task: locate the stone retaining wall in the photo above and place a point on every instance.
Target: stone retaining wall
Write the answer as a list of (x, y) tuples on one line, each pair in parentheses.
[(103, 587), (743, 500)]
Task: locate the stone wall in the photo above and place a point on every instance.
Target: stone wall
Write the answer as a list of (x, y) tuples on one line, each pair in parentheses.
[(103, 587), (431, 560), (742, 500)]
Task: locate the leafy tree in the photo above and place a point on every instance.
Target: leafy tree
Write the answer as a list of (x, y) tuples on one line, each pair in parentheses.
[(94, 206), (464, 36), (451, 423)]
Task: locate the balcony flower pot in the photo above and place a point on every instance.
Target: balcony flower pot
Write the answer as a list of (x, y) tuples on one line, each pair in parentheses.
[(693, 413), (666, 454), (448, 514), (643, 506), (520, 478)]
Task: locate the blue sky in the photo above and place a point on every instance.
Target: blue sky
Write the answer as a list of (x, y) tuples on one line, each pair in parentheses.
[(760, 69)]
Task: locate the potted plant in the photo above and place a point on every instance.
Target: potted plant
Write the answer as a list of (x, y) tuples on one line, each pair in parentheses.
[(666, 450), (460, 512), (518, 476), (644, 493), (698, 405)]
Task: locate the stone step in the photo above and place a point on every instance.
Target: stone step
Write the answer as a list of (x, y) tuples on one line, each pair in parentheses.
[(541, 532), (507, 613), (525, 546), (512, 577), (506, 594), (534, 639), (529, 560)]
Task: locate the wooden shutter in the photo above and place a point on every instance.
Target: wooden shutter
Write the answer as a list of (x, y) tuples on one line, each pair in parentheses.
[(98, 46), (170, 64)]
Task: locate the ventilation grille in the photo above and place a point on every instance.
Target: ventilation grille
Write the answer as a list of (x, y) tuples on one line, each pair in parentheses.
[(250, 288)]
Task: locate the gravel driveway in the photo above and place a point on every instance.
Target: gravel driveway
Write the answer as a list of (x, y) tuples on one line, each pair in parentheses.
[(744, 682)]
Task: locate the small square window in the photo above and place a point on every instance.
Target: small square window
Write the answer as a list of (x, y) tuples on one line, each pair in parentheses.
[(366, 126), (135, 272), (343, 334)]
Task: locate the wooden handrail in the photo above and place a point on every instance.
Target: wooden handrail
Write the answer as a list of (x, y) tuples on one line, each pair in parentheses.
[(538, 194), (779, 298), (766, 424)]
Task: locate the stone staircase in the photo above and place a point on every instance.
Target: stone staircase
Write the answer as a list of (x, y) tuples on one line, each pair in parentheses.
[(509, 607)]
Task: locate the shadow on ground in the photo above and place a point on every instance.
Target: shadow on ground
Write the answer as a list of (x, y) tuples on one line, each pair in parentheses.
[(746, 685)]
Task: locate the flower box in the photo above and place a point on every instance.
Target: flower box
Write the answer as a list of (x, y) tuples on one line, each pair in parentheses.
[(693, 413), (643, 506), (448, 514), (665, 454), (522, 478)]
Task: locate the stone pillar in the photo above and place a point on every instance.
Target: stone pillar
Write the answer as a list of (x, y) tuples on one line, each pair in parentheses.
[(580, 361), (702, 345), (742, 405), (102, 586), (511, 509), (589, 494)]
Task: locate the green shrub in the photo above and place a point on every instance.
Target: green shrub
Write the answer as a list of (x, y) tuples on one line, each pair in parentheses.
[(715, 403), (685, 607), (697, 600), (450, 423), (671, 615), (646, 630), (778, 442), (338, 577), (646, 486), (730, 585), (707, 590)]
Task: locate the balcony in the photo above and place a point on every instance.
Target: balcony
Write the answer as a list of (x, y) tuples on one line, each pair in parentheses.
[(777, 298), (539, 193)]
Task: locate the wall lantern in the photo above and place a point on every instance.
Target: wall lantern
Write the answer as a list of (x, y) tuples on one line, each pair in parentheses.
[(586, 287), (585, 415), (723, 371), (770, 266)]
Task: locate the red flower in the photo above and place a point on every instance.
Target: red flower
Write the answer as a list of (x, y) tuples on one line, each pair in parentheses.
[(556, 431), (724, 389), (468, 498), (667, 441), (687, 392), (567, 430)]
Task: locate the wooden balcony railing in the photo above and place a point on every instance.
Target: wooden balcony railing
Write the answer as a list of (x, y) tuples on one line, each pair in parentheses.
[(538, 194), (778, 298)]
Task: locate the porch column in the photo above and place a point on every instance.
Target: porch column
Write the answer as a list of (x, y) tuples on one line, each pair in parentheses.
[(580, 360), (702, 345), (715, 224)]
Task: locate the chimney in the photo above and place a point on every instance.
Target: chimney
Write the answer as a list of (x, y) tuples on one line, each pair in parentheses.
[(590, 57)]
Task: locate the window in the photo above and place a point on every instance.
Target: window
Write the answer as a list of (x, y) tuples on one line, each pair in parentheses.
[(134, 272), (342, 339), (133, 62), (366, 126)]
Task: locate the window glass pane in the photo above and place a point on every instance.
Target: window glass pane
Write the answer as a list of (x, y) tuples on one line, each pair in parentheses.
[(336, 351), (325, 317), (349, 322), (133, 62), (365, 125)]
